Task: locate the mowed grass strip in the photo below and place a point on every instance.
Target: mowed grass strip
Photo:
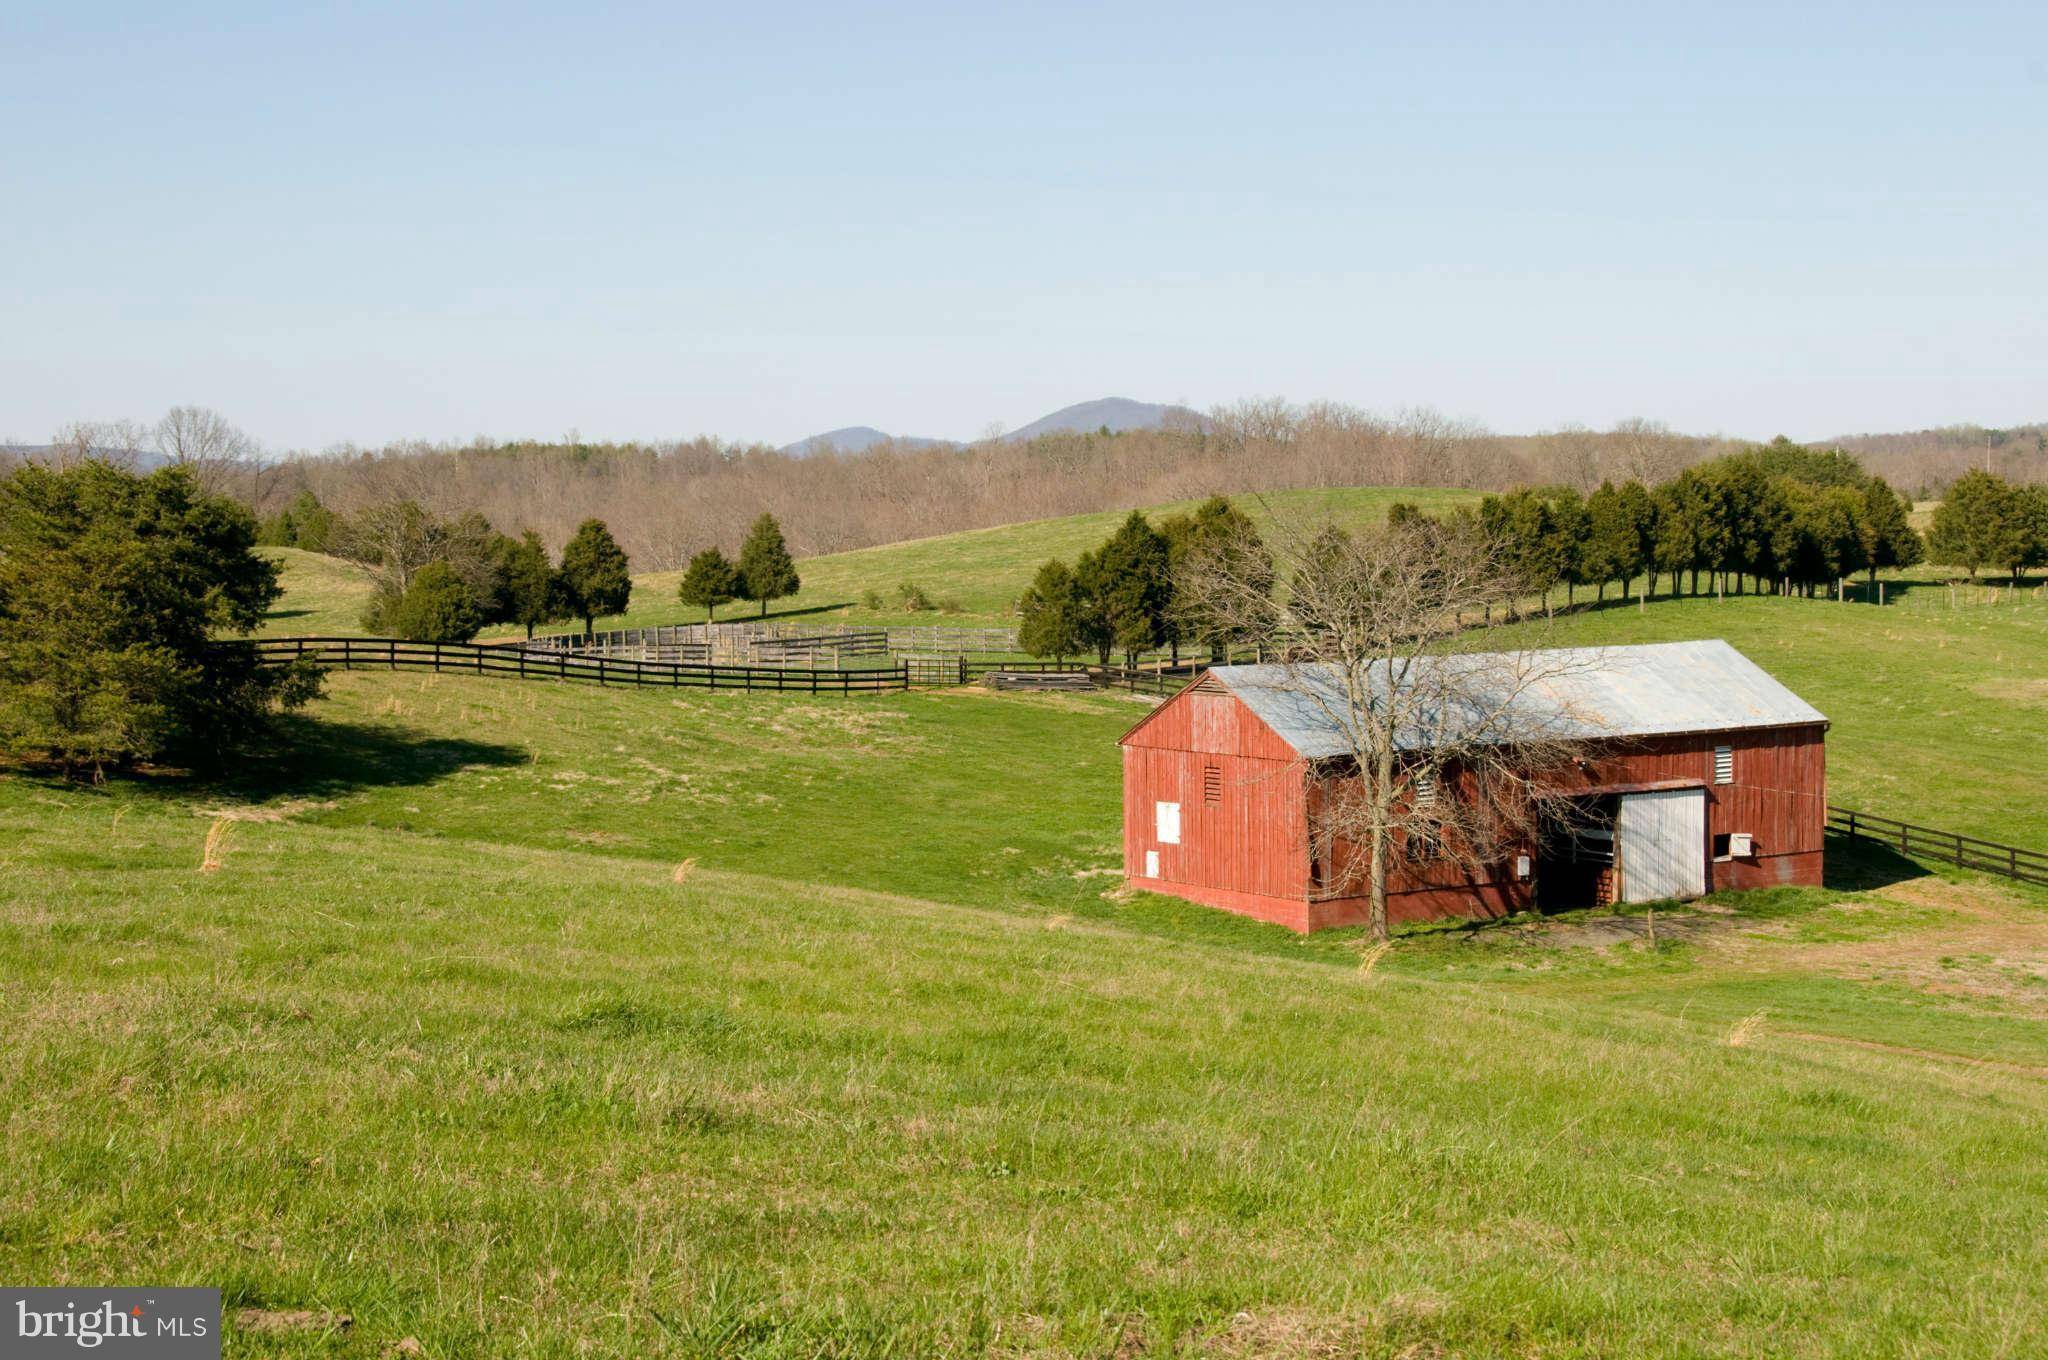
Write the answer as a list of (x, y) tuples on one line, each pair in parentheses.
[(506, 1100)]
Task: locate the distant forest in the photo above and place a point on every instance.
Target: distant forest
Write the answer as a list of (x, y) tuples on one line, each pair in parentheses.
[(666, 500)]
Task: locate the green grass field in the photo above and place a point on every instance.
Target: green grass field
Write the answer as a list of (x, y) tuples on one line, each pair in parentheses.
[(529, 1019), (324, 596)]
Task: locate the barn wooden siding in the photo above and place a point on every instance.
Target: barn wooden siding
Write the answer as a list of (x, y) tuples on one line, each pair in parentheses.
[(1244, 837), (1248, 849), (1778, 796)]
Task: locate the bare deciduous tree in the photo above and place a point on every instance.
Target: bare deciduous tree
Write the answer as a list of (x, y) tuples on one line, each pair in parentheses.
[(1443, 752), (109, 441), (221, 456)]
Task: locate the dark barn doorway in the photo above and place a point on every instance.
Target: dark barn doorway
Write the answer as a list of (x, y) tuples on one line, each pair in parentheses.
[(1575, 860)]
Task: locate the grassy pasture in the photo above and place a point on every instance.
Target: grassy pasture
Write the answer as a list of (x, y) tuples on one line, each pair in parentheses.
[(511, 1099), (534, 1019)]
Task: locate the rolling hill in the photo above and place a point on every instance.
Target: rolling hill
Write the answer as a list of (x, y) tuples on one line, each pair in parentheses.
[(751, 1025)]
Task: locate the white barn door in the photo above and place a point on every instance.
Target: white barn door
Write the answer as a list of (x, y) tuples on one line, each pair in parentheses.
[(1661, 844)]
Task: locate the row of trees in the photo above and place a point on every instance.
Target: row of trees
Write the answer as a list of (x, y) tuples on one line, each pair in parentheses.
[(765, 571), (1775, 517), (1123, 596), (1986, 521), (441, 580)]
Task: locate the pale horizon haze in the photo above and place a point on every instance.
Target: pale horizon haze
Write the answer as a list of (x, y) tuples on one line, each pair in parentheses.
[(379, 222)]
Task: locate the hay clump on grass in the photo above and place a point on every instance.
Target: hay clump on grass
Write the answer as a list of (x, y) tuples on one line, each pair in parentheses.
[(215, 851), (1746, 1028)]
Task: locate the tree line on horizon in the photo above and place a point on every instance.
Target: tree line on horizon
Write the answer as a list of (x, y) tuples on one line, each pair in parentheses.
[(833, 502), (1775, 518)]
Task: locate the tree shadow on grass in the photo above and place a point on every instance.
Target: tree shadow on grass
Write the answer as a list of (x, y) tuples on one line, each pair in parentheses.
[(313, 758), (320, 758), (1857, 864)]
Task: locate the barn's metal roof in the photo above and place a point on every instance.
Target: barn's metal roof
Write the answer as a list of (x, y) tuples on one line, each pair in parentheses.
[(1659, 689)]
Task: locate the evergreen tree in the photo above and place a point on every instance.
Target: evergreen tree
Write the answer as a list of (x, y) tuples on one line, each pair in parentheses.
[(113, 591), (1216, 535), (1639, 512), (1889, 538), (311, 524), (708, 582), (766, 570), (1051, 610), (1673, 538), (439, 606), (595, 577), (1127, 589), (1979, 523), (1609, 550), (1522, 533), (1570, 524), (1091, 606), (529, 592)]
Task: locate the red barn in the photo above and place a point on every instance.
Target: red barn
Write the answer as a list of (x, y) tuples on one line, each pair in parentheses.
[(1700, 772)]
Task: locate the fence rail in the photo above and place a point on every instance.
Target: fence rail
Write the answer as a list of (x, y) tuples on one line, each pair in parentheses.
[(364, 653), (473, 658), (1949, 847)]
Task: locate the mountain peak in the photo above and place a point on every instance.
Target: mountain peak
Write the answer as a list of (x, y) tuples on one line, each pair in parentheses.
[(1115, 414)]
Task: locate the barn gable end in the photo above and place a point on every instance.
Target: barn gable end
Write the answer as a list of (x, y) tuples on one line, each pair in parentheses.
[(1207, 717)]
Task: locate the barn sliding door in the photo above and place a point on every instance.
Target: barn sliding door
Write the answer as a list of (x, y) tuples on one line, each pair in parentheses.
[(1661, 844)]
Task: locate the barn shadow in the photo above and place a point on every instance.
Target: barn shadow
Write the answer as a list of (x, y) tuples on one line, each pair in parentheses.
[(1858, 864)]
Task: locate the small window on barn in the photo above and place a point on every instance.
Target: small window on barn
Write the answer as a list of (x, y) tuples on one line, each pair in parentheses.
[(1166, 821), (1721, 848), (1425, 787), (1422, 845), (1724, 764), (1212, 785)]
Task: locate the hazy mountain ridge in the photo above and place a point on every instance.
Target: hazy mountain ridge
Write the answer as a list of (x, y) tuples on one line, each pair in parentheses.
[(856, 439), (1115, 414)]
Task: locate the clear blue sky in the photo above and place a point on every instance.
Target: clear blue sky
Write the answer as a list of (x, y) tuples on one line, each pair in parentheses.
[(367, 222)]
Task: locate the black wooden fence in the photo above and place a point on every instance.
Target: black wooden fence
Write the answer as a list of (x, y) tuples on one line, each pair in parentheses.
[(509, 659), (469, 658), (1948, 847)]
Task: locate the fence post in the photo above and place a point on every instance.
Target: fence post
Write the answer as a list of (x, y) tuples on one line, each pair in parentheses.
[(394, 653)]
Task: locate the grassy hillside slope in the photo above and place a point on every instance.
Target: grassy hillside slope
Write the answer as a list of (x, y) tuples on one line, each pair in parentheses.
[(982, 571), (457, 1055), (323, 596)]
